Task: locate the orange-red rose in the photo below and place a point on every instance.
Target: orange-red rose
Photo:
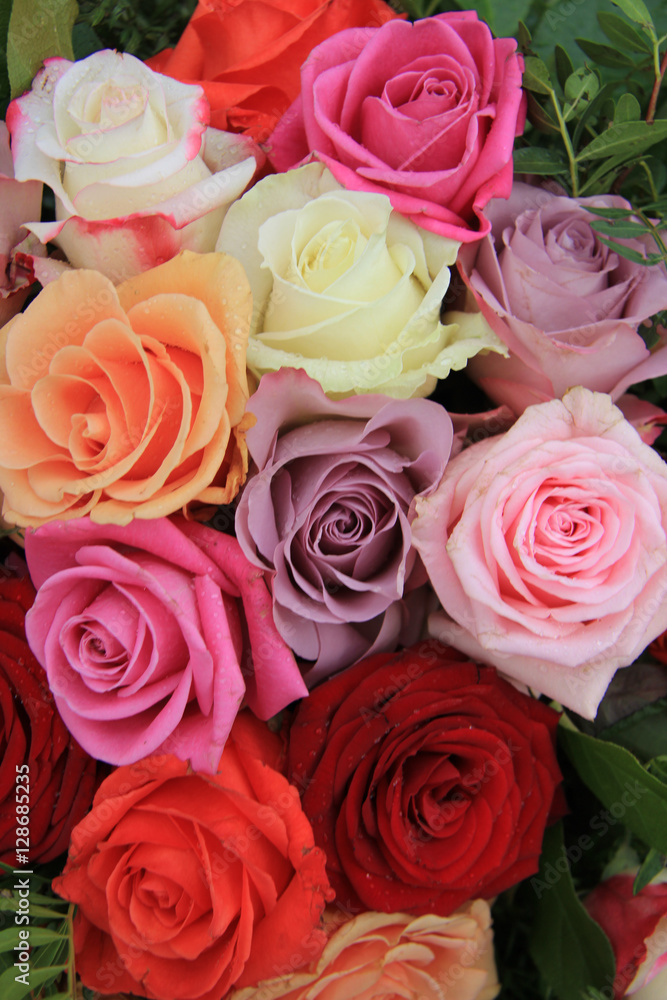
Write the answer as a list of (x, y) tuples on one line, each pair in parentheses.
[(187, 884), (247, 54), (126, 402)]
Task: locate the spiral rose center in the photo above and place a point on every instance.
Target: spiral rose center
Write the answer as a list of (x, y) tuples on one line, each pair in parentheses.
[(573, 242), (330, 253), (108, 104)]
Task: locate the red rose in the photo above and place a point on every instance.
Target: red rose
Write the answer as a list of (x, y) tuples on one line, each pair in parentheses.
[(187, 883), (637, 929), (247, 54), (428, 780), (41, 763), (658, 648)]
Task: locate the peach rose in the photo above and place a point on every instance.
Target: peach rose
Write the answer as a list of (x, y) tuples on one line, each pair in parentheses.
[(126, 402), (394, 954)]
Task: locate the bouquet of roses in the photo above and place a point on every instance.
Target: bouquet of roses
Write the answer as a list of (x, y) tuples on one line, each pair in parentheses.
[(333, 602)]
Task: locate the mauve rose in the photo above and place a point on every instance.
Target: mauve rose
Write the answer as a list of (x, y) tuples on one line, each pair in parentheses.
[(152, 634), (325, 514), (547, 548), (426, 113), (636, 925), (567, 306)]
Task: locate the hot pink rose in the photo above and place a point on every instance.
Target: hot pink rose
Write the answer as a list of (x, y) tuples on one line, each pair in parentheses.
[(151, 636), (567, 306), (547, 548), (637, 929), (425, 112)]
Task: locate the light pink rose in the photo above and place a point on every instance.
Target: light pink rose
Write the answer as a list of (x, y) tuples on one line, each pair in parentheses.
[(152, 635), (547, 548), (566, 305), (426, 113), (636, 925), (136, 173)]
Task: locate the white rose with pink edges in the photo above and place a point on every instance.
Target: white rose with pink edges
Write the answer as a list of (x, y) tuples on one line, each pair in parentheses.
[(136, 173)]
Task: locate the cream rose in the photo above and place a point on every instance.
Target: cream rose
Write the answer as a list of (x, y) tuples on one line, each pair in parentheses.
[(344, 287), (136, 173)]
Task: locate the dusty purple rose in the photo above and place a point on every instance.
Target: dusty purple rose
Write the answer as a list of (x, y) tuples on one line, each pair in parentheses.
[(326, 513), (152, 634), (567, 306)]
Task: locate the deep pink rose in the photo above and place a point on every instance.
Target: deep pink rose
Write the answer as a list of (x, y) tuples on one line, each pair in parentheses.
[(426, 113), (637, 929), (567, 306), (152, 634), (547, 548), (325, 514)]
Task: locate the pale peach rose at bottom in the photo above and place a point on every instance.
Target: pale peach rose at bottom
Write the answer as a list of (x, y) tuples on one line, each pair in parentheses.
[(395, 955)]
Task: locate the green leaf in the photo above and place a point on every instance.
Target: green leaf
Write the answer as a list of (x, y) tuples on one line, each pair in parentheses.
[(5, 15), (653, 863), (564, 65), (581, 83), (11, 990), (609, 213), (38, 936), (604, 55), (619, 230), (628, 109), (502, 18), (590, 112), (536, 76), (622, 34), (535, 160), (631, 137), (620, 782), (541, 118), (636, 10), (569, 948), (10, 905), (644, 733), (658, 767), (524, 37), (38, 30), (85, 41), (630, 254)]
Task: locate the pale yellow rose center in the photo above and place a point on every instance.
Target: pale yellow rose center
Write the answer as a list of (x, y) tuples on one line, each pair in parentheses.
[(330, 253), (108, 104)]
